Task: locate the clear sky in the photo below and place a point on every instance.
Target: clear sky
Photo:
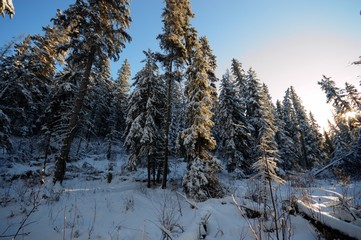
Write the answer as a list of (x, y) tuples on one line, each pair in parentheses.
[(287, 42)]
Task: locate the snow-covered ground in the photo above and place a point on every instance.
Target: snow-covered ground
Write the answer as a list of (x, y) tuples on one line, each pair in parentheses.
[(88, 207)]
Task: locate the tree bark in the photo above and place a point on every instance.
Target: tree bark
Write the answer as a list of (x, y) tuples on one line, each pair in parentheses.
[(167, 126), (148, 171), (60, 165)]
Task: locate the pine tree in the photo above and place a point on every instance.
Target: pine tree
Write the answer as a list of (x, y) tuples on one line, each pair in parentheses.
[(144, 133), (176, 22), (231, 127), (200, 181), (108, 21)]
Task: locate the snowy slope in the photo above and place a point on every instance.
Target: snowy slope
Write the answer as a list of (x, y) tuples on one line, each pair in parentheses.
[(87, 207)]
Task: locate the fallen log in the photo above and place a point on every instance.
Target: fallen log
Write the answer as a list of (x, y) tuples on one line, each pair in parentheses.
[(332, 164), (327, 224)]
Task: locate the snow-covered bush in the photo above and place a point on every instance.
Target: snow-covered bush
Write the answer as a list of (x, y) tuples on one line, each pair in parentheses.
[(199, 181)]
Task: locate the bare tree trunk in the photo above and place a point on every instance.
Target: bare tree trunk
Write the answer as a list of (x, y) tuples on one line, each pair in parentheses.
[(304, 152), (358, 147), (47, 147), (167, 126), (60, 164), (148, 171)]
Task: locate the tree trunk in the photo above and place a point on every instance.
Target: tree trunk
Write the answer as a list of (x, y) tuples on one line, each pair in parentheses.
[(148, 171), (47, 147), (304, 152), (60, 164), (358, 148), (167, 126)]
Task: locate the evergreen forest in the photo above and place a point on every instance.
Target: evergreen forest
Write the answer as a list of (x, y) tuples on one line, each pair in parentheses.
[(59, 101)]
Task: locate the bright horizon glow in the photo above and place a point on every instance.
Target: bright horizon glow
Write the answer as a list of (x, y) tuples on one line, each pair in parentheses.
[(287, 43)]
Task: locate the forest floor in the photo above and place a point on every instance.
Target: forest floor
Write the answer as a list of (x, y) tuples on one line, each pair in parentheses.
[(86, 206)]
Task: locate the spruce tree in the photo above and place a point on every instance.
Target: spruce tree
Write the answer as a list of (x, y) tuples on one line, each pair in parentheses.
[(347, 127), (121, 93), (25, 80), (97, 108), (123, 76), (240, 82), (108, 21), (212, 62), (266, 153), (200, 182), (286, 144), (144, 133), (354, 96), (317, 154), (344, 103), (310, 154), (5, 141), (335, 95), (253, 102), (173, 41), (328, 145), (231, 127), (178, 119), (288, 116), (8, 47)]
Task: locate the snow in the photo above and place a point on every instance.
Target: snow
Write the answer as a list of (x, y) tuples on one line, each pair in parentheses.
[(350, 229), (87, 207)]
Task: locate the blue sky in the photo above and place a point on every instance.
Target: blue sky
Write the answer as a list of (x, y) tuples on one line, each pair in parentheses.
[(285, 42)]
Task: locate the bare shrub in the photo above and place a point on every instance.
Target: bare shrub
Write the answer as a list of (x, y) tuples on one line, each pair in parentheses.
[(168, 213), (128, 203), (5, 198)]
